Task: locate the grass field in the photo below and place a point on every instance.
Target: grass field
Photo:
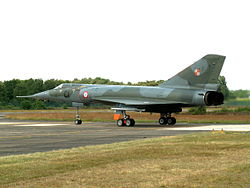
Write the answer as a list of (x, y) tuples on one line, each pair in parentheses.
[(107, 116), (238, 102), (195, 160)]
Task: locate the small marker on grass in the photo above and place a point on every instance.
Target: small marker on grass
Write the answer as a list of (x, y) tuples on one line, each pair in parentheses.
[(219, 131)]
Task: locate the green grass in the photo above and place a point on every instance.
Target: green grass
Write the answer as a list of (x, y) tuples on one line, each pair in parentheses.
[(200, 121), (222, 116), (238, 102), (215, 122), (225, 110), (195, 160)]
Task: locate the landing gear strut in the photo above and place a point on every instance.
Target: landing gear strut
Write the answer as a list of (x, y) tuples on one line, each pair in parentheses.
[(126, 120), (166, 119), (78, 120)]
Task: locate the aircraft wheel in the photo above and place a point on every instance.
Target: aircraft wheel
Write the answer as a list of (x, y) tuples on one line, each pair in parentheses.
[(120, 122), (78, 122), (130, 122), (174, 121), (162, 121), (133, 123), (171, 121)]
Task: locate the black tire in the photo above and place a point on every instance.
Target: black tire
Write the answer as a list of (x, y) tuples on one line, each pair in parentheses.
[(130, 122), (78, 122), (133, 123), (120, 122), (171, 121), (162, 121), (174, 121)]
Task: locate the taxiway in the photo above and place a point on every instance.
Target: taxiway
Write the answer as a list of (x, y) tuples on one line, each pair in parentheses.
[(22, 137)]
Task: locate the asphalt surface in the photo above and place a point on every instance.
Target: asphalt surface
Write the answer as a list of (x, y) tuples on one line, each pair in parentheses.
[(22, 137)]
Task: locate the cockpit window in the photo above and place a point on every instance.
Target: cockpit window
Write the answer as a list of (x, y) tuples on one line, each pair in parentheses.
[(69, 85), (59, 87)]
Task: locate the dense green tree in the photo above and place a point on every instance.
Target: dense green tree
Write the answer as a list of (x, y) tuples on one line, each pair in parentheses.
[(34, 85), (9, 89), (150, 83), (52, 83), (96, 80), (38, 105), (2, 93), (240, 94), (21, 88), (26, 104), (223, 87)]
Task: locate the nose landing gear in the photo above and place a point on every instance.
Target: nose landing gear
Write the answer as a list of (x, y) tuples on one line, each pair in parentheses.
[(78, 120)]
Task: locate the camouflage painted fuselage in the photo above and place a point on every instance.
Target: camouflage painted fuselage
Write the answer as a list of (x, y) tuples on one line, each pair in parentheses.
[(148, 99), (194, 86)]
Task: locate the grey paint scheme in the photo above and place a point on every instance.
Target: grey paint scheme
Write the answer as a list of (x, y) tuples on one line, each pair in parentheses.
[(188, 88)]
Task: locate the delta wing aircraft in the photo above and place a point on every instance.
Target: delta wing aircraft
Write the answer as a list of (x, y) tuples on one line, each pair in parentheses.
[(197, 85)]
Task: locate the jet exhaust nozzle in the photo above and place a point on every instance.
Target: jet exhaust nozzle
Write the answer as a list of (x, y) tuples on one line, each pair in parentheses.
[(214, 98)]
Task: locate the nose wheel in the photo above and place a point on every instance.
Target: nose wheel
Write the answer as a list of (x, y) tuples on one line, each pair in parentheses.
[(78, 120)]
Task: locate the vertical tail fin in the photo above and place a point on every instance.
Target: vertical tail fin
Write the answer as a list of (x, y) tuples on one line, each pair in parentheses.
[(203, 74)]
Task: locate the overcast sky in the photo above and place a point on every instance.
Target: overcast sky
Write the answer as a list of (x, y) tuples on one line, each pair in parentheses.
[(126, 41)]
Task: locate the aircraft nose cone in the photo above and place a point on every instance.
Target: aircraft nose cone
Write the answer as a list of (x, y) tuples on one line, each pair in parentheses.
[(43, 95)]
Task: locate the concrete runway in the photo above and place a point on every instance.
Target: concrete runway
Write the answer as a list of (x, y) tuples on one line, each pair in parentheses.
[(22, 137)]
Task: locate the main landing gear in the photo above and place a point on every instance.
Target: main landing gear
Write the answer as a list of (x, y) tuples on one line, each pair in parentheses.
[(78, 120), (166, 119), (125, 121)]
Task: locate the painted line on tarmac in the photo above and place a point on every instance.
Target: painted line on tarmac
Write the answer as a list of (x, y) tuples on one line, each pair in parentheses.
[(39, 125), (243, 127), (10, 123), (33, 124), (23, 124)]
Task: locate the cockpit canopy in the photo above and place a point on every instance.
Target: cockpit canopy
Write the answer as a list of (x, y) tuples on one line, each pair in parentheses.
[(67, 85), (59, 87)]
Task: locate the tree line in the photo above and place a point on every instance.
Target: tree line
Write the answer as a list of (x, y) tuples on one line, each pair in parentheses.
[(15, 87), (12, 88)]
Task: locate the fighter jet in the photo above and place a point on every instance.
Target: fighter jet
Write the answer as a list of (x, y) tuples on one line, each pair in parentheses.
[(197, 85)]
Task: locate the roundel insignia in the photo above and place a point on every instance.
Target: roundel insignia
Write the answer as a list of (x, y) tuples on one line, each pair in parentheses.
[(85, 94), (197, 72)]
